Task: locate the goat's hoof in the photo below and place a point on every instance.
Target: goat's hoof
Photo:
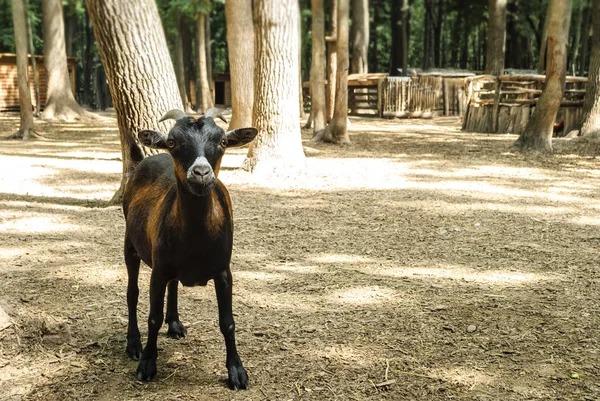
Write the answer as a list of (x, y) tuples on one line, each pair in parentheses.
[(176, 329), (237, 378), (146, 370), (134, 348)]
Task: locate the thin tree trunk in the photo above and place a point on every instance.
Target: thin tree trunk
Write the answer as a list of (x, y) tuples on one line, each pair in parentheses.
[(317, 69), (375, 37), (207, 101), (36, 75), (26, 128), (141, 78), (577, 39), (209, 70), (88, 61), (396, 31), (590, 125), (300, 80), (277, 150), (543, 43), (437, 34), (585, 42), (331, 60), (240, 42), (496, 37), (360, 36), (60, 103), (337, 130), (537, 135), (70, 28), (180, 63)]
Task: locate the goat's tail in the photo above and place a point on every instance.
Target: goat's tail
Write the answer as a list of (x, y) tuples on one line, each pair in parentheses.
[(135, 153)]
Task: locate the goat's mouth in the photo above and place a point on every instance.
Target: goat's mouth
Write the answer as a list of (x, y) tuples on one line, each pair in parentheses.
[(199, 188)]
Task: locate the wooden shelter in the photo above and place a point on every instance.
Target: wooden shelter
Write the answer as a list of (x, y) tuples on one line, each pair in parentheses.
[(220, 88), (9, 89), (504, 104)]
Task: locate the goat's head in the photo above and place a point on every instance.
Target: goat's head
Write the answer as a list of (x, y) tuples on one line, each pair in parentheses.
[(196, 146)]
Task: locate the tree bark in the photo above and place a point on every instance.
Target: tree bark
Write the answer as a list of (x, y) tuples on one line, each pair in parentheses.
[(240, 42), (88, 62), (277, 150), (590, 125), (209, 70), (400, 20), (60, 103), (26, 127), (585, 41), (331, 60), (317, 68), (180, 64), (207, 101), (70, 20), (577, 39), (543, 43), (140, 73), (337, 130), (496, 35), (360, 36), (36, 75), (374, 59), (537, 135)]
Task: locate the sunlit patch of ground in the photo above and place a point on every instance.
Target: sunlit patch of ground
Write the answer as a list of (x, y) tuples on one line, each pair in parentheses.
[(418, 262)]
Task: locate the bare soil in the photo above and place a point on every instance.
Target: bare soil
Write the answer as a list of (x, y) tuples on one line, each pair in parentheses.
[(417, 263)]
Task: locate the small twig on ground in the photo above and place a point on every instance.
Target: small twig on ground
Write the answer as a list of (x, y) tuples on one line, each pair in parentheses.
[(387, 369), (171, 375), (297, 385), (415, 374), (374, 385)]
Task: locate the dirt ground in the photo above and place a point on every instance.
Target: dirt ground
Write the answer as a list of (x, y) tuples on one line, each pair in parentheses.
[(417, 263)]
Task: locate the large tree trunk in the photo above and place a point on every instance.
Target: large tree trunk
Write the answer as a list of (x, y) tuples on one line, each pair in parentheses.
[(337, 130), (331, 60), (360, 36), (141, 78), (317, 68), (494, 64), (277, 150), (19, 26), (60, 103), (537, 135), (207, 101), (240, 42), (590, 125)]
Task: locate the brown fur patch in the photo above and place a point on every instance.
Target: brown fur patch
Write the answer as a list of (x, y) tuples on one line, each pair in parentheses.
[(214, 216), (217, 167)]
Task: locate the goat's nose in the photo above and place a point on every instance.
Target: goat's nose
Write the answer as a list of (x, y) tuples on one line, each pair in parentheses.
[(201, 170)]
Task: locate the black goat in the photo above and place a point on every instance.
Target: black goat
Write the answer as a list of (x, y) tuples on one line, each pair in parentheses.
[(179, 222)]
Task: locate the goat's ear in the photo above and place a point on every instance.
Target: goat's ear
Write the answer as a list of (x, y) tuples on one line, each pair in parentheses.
[(240, 136), (153, 139)]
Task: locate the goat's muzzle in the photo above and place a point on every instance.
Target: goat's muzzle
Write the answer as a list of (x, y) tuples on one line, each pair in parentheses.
[(200, 175)]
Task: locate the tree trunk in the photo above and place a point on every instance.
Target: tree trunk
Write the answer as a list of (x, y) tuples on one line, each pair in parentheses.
[(575, 48), (180, 64), (537, 135), (437, 34), (585, 42), (427, 32), (300, 80), (36, 75), (317, 68), (360, 36), (207, 101), (543, 43), (240, 42), (277, 150), (60, 103), (19, 26), (141, 77), (590, 125), (337, 130), (70, 28), (88, 62), (375, 37), (331, 60), (209, 70), (400, 19), (496, 35)]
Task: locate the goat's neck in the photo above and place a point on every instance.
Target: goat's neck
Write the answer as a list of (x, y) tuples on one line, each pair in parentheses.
[(192, 208)]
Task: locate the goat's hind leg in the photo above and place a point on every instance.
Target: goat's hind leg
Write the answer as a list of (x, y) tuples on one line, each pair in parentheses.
[(132, 261), (176, 328)]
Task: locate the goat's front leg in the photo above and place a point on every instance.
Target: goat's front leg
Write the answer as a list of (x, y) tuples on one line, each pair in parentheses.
[(176, 328), (147, 368), (237, 377)]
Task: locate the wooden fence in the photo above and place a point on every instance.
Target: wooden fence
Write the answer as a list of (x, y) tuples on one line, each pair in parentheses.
[(504, 104)]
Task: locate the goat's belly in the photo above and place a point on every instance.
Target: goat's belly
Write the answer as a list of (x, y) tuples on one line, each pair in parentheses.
[(197, 274)]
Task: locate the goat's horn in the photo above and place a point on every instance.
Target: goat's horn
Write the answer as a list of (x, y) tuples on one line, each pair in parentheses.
[(215, 113), (174, 114)]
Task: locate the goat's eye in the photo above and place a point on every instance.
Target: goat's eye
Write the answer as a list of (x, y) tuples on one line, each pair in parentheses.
[(171, 143), (224, 142)]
